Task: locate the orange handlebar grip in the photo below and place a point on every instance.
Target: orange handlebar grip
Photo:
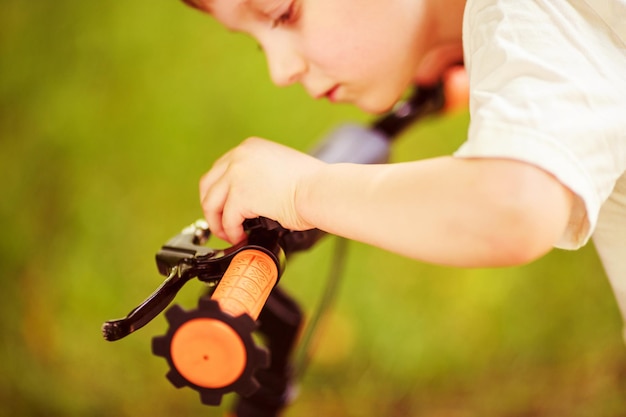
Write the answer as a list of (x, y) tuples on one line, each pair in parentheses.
[(247, 283), (209, 350)]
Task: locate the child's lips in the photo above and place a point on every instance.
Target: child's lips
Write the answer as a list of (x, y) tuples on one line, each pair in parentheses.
[(332, 94)]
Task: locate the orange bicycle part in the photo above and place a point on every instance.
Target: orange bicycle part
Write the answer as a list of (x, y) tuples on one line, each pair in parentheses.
[(247, 283), (211, 348), (206, 351)]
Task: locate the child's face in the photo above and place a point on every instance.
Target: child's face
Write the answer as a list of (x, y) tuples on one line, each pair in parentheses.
[(363, 52)]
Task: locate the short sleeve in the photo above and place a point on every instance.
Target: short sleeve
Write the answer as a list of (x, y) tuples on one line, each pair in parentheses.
[(547, 88)]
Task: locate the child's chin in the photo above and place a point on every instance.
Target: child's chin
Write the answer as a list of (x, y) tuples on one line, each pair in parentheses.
[(378, 103), (377, 108)]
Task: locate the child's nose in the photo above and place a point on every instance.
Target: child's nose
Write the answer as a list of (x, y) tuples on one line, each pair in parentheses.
[(286, 64)]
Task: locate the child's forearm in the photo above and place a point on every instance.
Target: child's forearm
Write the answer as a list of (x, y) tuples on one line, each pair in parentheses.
[(463, 212)]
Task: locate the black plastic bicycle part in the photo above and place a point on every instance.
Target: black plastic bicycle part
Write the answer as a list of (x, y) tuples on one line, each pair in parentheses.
[(184, 257), (423, 101), (199, 346), (280, 323)]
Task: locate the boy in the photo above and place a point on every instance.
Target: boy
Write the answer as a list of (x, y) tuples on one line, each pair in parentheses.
[(545, 159)]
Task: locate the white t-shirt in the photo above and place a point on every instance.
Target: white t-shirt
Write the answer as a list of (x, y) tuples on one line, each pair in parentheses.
[(548, 87)]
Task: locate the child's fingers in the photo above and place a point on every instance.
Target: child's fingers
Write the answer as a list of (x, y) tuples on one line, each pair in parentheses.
[(232, 222), (213, 202), (216, 172)]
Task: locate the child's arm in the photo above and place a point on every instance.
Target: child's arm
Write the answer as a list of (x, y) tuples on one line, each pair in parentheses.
[(452, 211)]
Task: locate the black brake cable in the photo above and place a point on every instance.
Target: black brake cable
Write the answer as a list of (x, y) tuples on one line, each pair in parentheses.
[(336, 271)]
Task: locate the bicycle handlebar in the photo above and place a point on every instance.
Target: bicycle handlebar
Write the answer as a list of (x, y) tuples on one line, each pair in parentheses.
[(211, 348)]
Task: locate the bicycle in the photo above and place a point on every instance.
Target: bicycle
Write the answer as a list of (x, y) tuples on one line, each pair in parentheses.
[(211, 349)]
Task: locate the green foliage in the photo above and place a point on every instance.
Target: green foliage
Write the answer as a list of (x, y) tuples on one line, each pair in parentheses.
[(110, 112)]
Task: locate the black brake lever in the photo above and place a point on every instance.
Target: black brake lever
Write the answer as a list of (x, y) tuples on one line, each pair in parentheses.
[(184, 257)]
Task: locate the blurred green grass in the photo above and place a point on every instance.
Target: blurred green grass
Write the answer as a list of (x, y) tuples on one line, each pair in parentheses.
[(110, 112)]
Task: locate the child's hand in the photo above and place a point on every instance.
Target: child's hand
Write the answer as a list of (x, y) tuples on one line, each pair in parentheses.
[(257, 178)]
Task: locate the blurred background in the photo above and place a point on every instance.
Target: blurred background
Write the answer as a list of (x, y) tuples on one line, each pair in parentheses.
[(109, 114)]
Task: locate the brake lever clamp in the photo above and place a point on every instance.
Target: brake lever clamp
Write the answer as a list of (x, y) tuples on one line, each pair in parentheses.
[(184, 257)]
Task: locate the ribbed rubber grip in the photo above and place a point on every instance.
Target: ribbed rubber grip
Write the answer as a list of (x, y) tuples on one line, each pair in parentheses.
[(247, 283)]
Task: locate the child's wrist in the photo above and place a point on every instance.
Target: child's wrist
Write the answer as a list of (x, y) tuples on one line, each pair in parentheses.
[(307, 196)]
